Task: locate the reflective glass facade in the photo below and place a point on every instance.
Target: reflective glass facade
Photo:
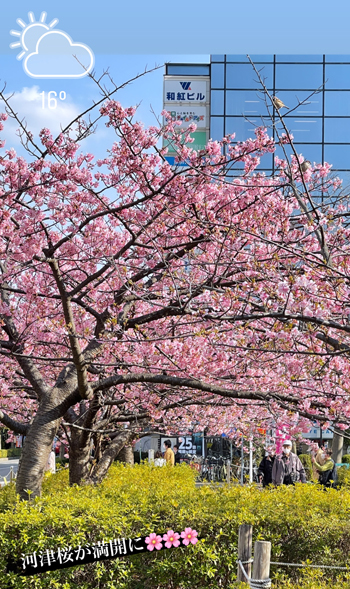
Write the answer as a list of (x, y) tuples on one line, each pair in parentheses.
[(321, 126)]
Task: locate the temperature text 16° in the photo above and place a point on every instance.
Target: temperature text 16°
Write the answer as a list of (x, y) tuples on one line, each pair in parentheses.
[(49, 99)]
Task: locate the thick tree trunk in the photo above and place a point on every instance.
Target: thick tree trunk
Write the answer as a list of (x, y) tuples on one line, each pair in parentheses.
[(101, 468), (126, 454), (36, 449), (79, 457)]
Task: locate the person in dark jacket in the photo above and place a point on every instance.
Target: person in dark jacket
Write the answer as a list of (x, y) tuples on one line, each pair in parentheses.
[(265, 467), (177, 455)]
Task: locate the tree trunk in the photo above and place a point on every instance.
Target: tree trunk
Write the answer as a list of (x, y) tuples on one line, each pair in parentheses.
[(126, 454), (79, 457), (101, 468), (63, 450), (337, 448), (36, 450)]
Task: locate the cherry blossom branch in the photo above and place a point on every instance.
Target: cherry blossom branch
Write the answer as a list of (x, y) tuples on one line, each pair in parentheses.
[(15, 426), (78, 357), (319, 232)]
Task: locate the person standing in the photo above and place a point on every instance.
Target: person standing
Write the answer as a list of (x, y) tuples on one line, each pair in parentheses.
[(326, 470), (169, 454), (287, 468), (158, 460), (51, 463), (177, 455), (265, 467), (320, 459), (320, 455)]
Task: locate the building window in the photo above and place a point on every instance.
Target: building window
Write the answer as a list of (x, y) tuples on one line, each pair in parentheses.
[(310, 152), (337, 131), (243, 76), (337, 77), (217, 102), (239, 58), (338, 156), (255, 58), (217, 128), (242, 128), (245, 102), (312, 105), (305, 129), (218, 58), (337, 58), (299, 58), (337, 103), (299, 76), (217, 75), (187, 70)]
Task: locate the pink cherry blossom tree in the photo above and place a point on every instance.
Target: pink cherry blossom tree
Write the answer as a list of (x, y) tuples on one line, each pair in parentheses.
[(137, 294)]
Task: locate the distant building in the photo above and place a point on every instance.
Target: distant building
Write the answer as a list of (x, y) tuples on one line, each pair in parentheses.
[(224, 97), (321, 127)]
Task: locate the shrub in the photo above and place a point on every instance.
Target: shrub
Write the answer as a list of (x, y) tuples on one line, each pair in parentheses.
[(346, 459), (10, 452), (305, 459), (302, 522), (343, 477), (61, 463)]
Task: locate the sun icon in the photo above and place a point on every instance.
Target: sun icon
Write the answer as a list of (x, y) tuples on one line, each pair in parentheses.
[(31, 33)]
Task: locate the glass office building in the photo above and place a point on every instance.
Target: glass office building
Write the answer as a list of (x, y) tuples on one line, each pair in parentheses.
[(320, 126)]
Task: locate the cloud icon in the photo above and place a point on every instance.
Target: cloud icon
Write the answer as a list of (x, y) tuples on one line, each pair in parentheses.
[(56, 56)]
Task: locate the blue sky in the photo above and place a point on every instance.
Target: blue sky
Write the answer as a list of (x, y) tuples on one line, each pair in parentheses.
[(147, 92), (189, 26), (126, 37)]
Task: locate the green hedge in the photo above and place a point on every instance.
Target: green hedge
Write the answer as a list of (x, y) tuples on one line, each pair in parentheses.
[(343, 477), (346, 459), (10, 452), (302, 522), (307, 464)]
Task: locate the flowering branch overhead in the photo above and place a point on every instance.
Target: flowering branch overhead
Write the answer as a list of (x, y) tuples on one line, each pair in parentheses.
[(137, 293)]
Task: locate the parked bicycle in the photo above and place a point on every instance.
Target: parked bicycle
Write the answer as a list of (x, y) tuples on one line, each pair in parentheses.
[(213, 469)]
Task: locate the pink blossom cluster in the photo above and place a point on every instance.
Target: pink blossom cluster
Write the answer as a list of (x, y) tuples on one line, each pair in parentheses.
[(184, 273), (171, 538)]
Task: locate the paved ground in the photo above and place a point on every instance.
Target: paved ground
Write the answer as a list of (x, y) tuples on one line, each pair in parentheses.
[(5, 467)]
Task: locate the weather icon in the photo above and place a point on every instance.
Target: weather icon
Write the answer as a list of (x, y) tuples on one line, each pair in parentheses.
[(49, 53)]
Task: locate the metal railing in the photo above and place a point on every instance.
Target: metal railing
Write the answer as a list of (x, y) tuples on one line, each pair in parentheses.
[(218, 469), (9, 478)]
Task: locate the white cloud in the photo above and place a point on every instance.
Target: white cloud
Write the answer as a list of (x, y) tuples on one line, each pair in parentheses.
[(55, 57), (28, 105)]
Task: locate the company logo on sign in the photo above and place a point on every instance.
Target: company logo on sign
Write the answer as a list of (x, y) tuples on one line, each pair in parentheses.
[(177, 90)]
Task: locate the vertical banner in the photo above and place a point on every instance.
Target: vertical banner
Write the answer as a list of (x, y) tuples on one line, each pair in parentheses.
[(187, 99)]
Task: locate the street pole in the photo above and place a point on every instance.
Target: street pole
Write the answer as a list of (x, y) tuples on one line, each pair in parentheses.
[(242, 463)]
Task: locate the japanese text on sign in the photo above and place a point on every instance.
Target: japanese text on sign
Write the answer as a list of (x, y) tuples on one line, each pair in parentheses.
[(46, 560), (190, 91)]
